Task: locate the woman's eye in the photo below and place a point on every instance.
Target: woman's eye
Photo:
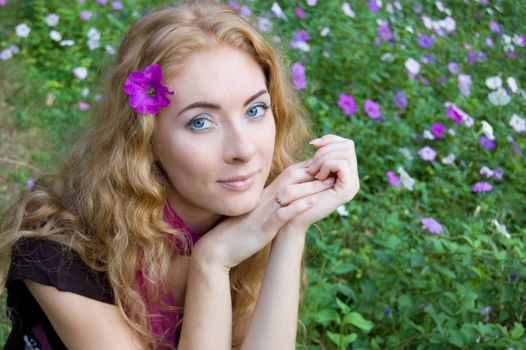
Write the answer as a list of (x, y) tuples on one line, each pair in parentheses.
[(257, 110), (199, 123)]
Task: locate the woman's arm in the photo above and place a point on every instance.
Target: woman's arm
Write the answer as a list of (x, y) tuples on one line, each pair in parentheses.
[(275, 318), (84, 323)]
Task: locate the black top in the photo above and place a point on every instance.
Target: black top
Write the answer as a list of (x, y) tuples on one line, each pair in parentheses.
[(49, 263)]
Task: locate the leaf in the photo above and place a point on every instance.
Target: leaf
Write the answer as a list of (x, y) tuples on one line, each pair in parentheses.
[(342, 341), (517, 331), (357, 320), (345, 308), (325, 316)]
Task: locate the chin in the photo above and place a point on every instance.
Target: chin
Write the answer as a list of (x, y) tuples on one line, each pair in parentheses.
[(237, 208)]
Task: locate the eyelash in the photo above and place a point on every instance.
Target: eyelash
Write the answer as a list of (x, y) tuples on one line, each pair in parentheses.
[(264, 106)]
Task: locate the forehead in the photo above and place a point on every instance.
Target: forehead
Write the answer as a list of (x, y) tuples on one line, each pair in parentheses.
[(218, 74)]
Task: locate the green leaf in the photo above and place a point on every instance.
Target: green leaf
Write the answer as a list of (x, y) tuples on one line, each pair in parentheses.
[(345, 308), (517, 331), (325, 316), (357, 320), (342, 341)]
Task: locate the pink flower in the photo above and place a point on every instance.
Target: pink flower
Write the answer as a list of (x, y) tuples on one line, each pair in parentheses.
[(299, 12), (84, 106), (438, 130), (372, 109), (298, 76), (393, 179), (432, 226), (481, 186), (347, 104), (452, 113), (3, 2), (85, 15), (427, 153)]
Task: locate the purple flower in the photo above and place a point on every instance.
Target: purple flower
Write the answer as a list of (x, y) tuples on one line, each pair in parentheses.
[(485, 310), (438, 129), (452, 113), (30, 183), (298, 76), (3, 2), (387, 311), (425, 41), (373, 6), (372, 109), (299, 12), (234, 5), (400, 100), (481, 186), (385, 32), (498, 174), (472, 57), (489, 42), (102, 2), (301, 35), (85, 15), (427, 153), (393, 179), (464, 84), (117, 5), (494, 27), (453, 67), (486, 142), (432, 226), (347, 104), (146, 90)]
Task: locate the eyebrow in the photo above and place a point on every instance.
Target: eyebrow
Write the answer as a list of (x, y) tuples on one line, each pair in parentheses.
[(214, 106)]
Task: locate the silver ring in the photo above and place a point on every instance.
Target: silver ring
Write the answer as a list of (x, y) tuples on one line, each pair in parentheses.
[(280, 202)]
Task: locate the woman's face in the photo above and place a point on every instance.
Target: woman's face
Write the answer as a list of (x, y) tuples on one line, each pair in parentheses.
[(216, 139)]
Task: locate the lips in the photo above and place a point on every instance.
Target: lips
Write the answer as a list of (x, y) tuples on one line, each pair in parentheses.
[(239, 183)]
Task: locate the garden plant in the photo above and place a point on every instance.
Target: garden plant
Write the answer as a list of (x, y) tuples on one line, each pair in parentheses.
[(431, 254)]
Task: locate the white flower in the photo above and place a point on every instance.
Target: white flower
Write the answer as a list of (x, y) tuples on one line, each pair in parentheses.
[(110, 50), (55, 36), (501, 229), (406, 153), (22, 30), (264, 24), (278, 11), (499, 97), (506, 38), (487, 172), (300, 45), (347, 10), (51, 20), (387, 57), (451, 132), (85, 92), (68, 42), (449, 159), (518, 123), (93, 44), (407, 181), (512, 84), (517, 40), (487, 130), (93, 34), (428, 135), (325, 31), (494, 82), (14, 49), (342, 211), (6, 54), (312, 2), (410, 29), (80, 72), (448, 24), (412, 65), (428, 23)]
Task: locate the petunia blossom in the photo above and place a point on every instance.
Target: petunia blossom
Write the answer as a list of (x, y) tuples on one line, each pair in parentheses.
[(347, 10), (80, 72), (299, 12), (412, 66), (518, 123), (464, 84), (499, 97), (438, 130), (146, 90), (52, 19), (407, 181), (427, 153), (22, 30), (481, 186), (432, 226), (487, 130), (494, 82), (347, 104), (278, 11), (393, 179), (372, 109), (486, 142), (449, 159), (400, 100), (298, 76)]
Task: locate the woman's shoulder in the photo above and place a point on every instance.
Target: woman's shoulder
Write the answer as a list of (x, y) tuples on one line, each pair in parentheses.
[(54, 264)]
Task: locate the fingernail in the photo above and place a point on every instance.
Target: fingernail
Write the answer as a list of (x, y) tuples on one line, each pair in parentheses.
[(315, 141)]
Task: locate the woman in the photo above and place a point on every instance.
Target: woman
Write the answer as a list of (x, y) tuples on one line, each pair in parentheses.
[(185, 195)]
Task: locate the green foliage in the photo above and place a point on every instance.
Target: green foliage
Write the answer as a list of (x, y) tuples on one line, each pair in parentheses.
[(377, 279)]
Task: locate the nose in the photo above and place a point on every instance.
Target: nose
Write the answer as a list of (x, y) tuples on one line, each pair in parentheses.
[(239, 145)]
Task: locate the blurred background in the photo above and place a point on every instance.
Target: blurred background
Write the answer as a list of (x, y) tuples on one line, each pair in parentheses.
[(431, 253)]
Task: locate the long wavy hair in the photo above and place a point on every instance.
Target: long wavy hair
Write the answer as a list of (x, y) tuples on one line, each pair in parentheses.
[(107, 201)]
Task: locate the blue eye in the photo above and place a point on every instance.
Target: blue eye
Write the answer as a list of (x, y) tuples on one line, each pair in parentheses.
[(257, 110), (199, 123)]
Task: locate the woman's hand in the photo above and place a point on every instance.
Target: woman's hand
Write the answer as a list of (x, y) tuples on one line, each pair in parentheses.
[(335, 158), (237, 238)]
